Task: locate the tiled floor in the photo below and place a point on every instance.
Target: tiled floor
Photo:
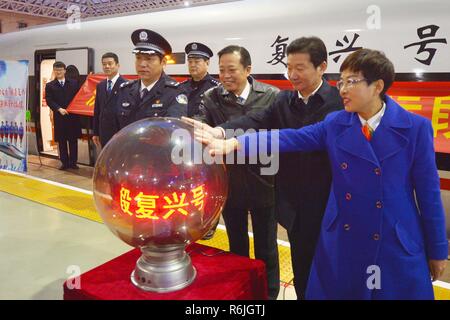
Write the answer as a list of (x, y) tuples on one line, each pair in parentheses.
[(45, 246)]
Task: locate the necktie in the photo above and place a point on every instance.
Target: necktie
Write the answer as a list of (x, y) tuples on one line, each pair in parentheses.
[(143, 93), (109, 88), (240, 100), (61, 83), (367, 131)]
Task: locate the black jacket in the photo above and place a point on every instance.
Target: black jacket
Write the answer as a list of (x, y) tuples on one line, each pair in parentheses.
[(195, 91), (66, 127), (247, 187), (165, 99), (304, 178), (105, 120)]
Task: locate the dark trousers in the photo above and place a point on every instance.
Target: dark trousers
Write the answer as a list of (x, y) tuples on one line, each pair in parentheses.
[(68, 157), (264, 239), (303, 238)]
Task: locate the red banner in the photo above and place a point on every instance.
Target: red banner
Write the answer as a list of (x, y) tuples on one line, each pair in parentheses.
[(83, 103), (429, 99)]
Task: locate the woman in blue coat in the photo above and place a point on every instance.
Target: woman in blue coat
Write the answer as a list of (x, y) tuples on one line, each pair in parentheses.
[(383, 233)]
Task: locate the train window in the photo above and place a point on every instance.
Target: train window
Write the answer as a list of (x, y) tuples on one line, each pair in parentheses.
[(176, 58), (22, 25), (0, 26)]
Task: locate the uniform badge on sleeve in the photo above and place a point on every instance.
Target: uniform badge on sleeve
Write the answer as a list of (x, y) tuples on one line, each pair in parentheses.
[(182, 99)]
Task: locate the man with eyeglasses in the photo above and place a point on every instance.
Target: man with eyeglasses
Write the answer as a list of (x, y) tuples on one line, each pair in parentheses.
[(67, 127), (303, 181)]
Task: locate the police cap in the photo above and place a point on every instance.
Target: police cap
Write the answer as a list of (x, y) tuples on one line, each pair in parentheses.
[(150, 42), (198, 50)]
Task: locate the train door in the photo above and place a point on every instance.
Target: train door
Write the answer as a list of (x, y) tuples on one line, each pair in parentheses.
[(79, 62)]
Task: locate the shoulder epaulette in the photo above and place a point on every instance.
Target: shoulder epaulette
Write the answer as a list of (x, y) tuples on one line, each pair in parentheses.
[(127, 83), (214, 81), (172, 83)]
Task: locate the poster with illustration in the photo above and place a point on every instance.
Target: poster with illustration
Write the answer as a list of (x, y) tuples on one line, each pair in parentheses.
[(13, 107)]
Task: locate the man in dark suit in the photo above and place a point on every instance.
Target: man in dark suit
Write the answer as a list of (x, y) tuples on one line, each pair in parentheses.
[(249, 192), (198, 56), (303, 181), (105, 121), (154, 94), (58, 94)]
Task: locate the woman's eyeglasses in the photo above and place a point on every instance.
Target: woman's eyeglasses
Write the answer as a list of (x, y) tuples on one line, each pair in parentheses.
[(349, 83)]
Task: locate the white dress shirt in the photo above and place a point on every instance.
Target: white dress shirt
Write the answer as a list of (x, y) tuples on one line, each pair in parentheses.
[(244, 95), (375, 120), (113, 81), (149, 87), (305, 100)]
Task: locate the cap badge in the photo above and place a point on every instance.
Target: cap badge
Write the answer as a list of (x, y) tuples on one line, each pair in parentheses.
[(194, 46), (143, 36)]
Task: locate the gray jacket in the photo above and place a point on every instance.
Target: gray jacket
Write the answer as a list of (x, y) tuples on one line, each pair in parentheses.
[(247, 187)]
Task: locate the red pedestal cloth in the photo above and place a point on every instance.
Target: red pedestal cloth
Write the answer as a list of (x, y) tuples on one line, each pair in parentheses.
[(220, 276)]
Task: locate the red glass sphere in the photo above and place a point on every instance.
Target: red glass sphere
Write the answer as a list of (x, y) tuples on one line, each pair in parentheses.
[(147, 196)]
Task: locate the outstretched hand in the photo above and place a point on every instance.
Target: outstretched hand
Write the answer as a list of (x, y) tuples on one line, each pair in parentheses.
[(216, 146), (198, 125), (437, 268)]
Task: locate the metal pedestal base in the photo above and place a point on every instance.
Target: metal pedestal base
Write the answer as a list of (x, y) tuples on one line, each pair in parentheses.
[(163, 269)]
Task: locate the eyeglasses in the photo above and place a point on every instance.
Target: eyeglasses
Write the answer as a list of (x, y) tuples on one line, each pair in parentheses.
[(349, 83)]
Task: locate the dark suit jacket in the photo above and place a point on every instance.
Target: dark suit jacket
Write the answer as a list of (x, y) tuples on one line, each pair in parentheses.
[(105, 120), (66, 127), (195, 91), (304, 178), (247, 187)]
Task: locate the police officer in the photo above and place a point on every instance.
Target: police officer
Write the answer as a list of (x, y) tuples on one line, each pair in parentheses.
[(198, 56), (154, 94)]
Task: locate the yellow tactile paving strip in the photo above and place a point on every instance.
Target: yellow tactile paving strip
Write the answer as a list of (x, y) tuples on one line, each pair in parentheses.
[(60, 198), (82, 205)]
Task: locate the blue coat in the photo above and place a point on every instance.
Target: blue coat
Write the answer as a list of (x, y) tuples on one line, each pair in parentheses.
[(372, 221)]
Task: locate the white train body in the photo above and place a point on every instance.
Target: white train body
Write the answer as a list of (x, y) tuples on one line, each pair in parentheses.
[(390, 26)]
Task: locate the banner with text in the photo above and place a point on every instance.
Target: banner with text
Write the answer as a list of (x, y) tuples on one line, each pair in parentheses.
[(429, 99), (13, 107)]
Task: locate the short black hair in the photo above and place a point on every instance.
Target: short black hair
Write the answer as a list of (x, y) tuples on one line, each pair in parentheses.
[(72, 72), (111, 55), (373, 64), (245, 60), (59, 64), (159, 55), (313, 46)]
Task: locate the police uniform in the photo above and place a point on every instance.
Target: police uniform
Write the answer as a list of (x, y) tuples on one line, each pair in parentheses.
[(165, 99), (196, 89)]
